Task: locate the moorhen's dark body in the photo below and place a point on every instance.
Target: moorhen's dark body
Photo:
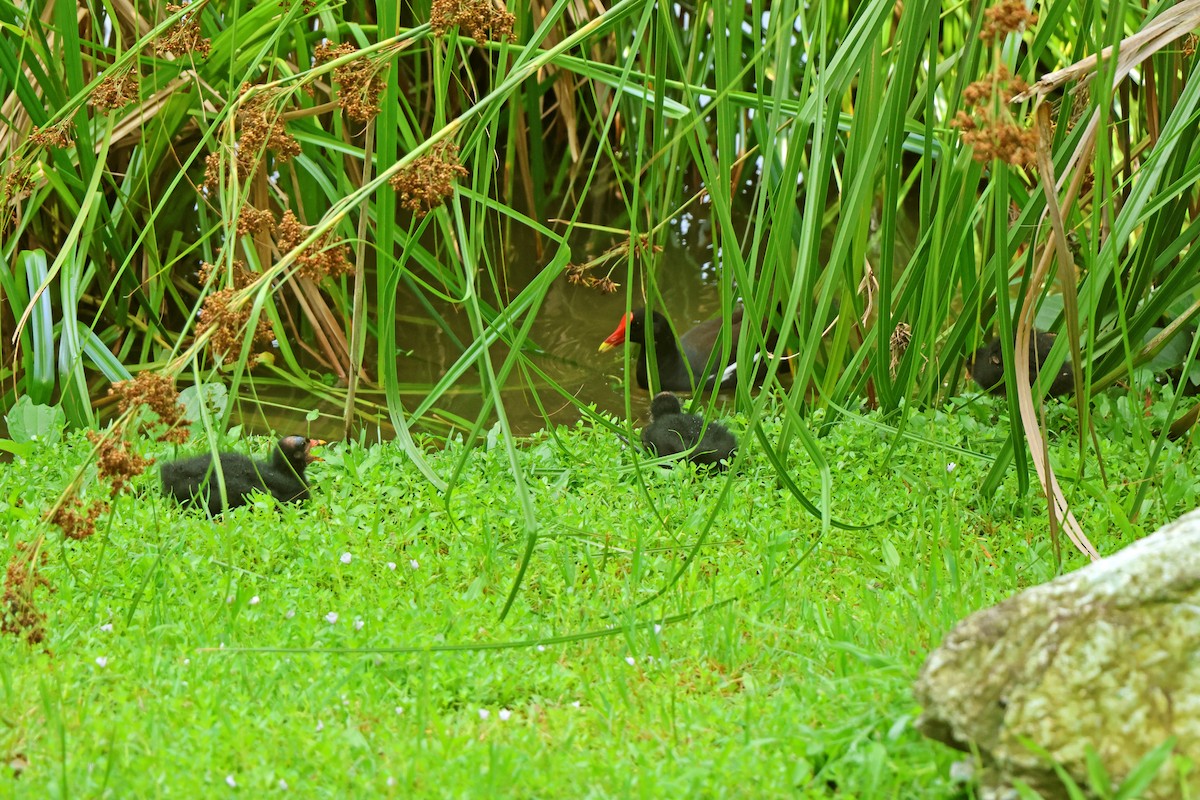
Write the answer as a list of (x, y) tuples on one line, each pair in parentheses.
[(193, 481), (987, 365), (671, 431), (682, 363)]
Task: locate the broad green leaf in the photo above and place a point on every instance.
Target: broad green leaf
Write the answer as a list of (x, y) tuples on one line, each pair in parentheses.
[(212, 396), (33, 422)]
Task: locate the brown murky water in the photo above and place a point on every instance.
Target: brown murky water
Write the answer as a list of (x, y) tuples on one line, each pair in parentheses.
[(571, 323)]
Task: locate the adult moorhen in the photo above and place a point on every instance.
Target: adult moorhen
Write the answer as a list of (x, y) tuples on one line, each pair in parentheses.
[(671, 431), (681, 363), (987, 365), (193, 481)]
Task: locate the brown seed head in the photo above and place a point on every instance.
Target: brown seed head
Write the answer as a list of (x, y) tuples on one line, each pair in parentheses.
[(429, 179), (114, 462), (156, 392), (60, 134), (259, 129), (18, 181), (990, 128), (321, 259), (76, 525), (480, 19), (901, 336), (212, 172), (253, 219), (578, 275), (116, 90), (20, 615), (1007, 16), (360, 81), (227, 323), (239, 277), (184, 36)]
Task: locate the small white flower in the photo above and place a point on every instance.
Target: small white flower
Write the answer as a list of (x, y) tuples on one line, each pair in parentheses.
[(950, 467), (575, 704), (399, 709), (414, 564), (331, 617), (541, 648), (391, 781), (187, 661), (229, 780), (291, 612), (229, 599), (358, 624), (346, 558), (484, 713), (657, 628), (254, 600), (320, 726), (630, 660), (505, 714), (106, 627), (283, 784), (391, 565), (101, 661)]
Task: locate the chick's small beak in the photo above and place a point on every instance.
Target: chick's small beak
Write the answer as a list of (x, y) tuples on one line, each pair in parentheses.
[(308, 456)]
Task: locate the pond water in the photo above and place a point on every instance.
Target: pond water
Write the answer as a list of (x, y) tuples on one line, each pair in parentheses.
[(570, 324), (569, 327)]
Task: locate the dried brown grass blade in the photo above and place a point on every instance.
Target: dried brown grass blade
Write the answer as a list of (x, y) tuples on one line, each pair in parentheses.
[(1173, 23), (564, 90), (1059, 509), (358, 324), (324, 323)]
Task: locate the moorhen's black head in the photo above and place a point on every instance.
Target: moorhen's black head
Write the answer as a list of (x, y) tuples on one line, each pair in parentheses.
[(697, 359), (675, 367), (295, 453), (632, 328)]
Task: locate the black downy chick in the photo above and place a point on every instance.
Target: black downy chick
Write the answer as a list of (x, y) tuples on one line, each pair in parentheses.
[(987, 365), (671, 431), (193, 481)]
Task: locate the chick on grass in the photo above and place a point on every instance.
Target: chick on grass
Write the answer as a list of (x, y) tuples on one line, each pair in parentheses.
[(707, 444), (987, 366), (192, 481)]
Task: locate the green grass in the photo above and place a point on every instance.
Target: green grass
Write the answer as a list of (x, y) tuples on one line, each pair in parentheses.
[(782, 667)]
